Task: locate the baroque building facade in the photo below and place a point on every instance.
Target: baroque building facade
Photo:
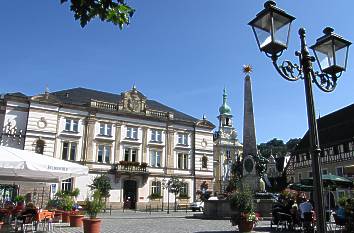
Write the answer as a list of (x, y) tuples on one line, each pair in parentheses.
[(336, 136), (227, 148), (139, 143)]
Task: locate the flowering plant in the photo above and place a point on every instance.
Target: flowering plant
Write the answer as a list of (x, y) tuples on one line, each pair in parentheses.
[(250, 217)]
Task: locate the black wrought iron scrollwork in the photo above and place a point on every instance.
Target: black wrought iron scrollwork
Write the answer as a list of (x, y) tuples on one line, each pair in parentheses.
[(325, 82), (288, 70)]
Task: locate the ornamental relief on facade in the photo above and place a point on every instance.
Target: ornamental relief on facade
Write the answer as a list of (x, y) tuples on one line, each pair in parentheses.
[(134, 101)]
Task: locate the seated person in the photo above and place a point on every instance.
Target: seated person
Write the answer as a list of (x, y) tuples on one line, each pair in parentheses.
[(29, 210), (305, 207)]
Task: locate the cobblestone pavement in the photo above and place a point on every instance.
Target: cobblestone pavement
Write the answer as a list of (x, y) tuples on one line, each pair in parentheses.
[(161, 222)]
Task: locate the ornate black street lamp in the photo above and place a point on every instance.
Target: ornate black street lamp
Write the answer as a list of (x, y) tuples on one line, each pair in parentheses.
[(163, 192), (271, 28)]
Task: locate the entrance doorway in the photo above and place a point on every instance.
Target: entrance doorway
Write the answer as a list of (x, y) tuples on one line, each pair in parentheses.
[(129, 194)]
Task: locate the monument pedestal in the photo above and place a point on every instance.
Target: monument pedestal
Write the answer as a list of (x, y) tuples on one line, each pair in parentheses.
[(251, 182)]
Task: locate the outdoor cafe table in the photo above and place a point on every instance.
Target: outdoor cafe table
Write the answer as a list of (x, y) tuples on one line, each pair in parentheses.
[(43, 216)]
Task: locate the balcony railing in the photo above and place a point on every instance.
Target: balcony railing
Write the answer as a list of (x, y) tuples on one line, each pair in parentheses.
[(129, 168)]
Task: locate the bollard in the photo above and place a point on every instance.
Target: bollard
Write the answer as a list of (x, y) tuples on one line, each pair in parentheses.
[(110, 209)]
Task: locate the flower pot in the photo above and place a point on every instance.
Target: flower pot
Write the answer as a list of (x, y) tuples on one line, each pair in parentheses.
[(76, 220), (245, 226), (92, 225), (65, 216)]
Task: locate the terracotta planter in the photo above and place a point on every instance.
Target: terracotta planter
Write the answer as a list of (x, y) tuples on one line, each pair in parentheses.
[(76, 220), (65, 216), (245, 226), (92, 225)]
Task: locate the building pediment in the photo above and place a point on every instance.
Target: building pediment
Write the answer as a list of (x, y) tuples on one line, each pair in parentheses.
[(133, 101), (205, 123)]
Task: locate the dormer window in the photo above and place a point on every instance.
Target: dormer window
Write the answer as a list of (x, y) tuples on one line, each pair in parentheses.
[(71, 125), (105, 129)]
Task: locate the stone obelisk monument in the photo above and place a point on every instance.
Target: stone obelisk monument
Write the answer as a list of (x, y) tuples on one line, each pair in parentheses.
[(250, 177)]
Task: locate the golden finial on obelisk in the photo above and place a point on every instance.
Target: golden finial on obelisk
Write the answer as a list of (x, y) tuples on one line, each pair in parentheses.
[(247, 69)]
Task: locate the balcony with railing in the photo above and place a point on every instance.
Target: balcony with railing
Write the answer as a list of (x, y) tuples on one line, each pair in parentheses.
[(131, 168)]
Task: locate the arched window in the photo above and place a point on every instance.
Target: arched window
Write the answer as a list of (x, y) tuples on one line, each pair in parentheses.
[(204, 162), (39, 146)]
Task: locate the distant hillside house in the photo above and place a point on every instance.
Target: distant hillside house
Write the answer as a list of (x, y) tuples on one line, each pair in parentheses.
[(336, 135), (140, 143)]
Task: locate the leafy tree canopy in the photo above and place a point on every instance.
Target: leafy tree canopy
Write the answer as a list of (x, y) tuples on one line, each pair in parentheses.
[(277, 147), (115, 11), (102, 184)]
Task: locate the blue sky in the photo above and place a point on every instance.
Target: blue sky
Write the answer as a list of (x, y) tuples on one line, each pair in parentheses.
[(181, 53)]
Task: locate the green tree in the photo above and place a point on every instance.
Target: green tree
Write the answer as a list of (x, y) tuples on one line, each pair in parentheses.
[(115, 11), (175, 185), (102, 184)]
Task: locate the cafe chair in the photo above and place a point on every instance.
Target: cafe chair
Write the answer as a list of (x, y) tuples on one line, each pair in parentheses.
[(340, 223), (307, 222), (56, 221), (28, 221)]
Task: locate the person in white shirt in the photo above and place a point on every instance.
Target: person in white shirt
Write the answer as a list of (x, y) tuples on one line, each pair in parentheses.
[(305, 207)]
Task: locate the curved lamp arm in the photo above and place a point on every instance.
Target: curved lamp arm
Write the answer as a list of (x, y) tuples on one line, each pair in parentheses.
[(288, 70), (325, 82)]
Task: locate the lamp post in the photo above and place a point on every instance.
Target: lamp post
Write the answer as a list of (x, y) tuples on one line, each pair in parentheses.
[(163, 192), (167, 185), (271, 28)]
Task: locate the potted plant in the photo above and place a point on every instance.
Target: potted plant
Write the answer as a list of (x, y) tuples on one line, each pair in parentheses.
[(93, 207), (65, 203), (242, 201), (75, 216)]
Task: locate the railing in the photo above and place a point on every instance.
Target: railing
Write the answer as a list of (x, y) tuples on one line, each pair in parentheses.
[(157, 114), (129, 168), (104, 105)]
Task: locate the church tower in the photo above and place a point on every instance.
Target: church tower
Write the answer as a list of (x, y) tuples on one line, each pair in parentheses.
[(226, 146)]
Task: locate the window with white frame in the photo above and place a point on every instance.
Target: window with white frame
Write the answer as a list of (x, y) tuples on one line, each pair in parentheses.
[(103, 153), (131, 154), (155, 158), (184, 189), (155, 187), (67, 185), (71, 125), (183, 139), (339, 171), (69, 151), (132, 132), (156, 135), (182, 161), (105, 129)]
